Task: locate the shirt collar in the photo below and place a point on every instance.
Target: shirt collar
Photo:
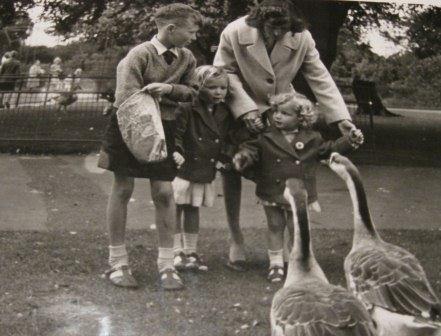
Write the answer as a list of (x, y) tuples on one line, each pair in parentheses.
[(160, 48)]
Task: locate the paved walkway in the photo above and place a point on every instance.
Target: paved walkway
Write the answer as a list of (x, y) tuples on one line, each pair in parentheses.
[(70, 193)]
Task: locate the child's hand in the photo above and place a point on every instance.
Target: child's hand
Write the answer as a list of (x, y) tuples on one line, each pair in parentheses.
[(240, 162), (158, 89), (356, 137), (179, 159)]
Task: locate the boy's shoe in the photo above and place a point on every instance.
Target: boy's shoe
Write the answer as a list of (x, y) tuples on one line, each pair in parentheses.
[(121, 277), (170, 280), (195, 263), (276, 274), (180, 261)]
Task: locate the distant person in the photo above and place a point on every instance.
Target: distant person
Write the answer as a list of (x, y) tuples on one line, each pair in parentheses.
[(9, 74), (35, 72), (57, 75), (163, 67), (73, 80)]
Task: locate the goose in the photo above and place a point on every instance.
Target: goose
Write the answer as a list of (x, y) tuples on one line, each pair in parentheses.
[(388, 279), (307, 305)]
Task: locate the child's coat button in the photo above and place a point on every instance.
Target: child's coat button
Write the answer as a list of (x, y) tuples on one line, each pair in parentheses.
[(216, 140), (297, 162), (278, 160), (211, 160)]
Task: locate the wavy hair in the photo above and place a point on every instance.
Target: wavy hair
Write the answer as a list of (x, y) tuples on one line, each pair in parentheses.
[(305, 110), (206, 72), (267, 9)]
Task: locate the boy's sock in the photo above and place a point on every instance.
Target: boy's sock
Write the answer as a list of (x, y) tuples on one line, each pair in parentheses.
[(276, 258), (177, 243), (118, 256), (190, 242), (165, 258)]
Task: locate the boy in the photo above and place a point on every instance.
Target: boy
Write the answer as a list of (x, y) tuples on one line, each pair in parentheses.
[(163, 68)]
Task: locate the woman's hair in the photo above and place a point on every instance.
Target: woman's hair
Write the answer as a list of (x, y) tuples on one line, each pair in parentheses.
[(267, 9), (206, 72), (303, 107)]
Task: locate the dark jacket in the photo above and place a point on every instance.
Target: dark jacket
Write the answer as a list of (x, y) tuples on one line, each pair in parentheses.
[(202, 139), (9, 74), (276, 160)]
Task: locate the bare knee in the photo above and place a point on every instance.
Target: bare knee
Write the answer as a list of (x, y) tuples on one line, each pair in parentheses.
[(163, 196), (123, 188)]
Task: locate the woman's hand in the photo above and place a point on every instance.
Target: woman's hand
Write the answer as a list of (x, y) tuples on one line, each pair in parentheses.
[(253, 121), (356, 137), (179, 159), (345, 127)]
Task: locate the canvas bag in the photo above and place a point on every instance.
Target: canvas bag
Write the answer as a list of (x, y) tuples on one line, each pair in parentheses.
[(139, 121)]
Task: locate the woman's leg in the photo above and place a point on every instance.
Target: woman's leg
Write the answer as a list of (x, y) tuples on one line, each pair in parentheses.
[(232, 188)]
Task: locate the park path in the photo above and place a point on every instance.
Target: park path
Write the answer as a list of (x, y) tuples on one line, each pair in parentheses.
[(68, 192)]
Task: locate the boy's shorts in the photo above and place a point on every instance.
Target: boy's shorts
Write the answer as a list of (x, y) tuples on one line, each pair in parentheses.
[(116, 157)]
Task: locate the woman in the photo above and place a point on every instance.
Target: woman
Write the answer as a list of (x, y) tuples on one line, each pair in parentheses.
[(263, 52)]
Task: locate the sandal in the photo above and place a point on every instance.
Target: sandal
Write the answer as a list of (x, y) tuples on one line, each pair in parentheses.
[(276, 274), (237, 265), (180, 261), (121, 277), (170, 280), (195, 263)]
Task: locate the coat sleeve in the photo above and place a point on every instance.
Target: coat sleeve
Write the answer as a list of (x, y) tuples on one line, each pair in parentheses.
[(239, 100), (183, 92), (342, 145), (251, 150), (181, 129), (330, 100)]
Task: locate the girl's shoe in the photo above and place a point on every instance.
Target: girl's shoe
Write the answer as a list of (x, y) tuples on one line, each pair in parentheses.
[(170, 280), (180, 261), (195, 263), (121, 277), (276, 274)]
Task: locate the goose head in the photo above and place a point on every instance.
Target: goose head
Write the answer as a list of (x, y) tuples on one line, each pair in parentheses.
[(342, 166)]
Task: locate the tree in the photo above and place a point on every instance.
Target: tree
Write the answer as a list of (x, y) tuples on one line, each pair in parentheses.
[(15, 24), (424, 32)]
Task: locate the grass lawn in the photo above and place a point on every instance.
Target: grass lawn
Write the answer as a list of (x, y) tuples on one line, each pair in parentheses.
[(51, 284)]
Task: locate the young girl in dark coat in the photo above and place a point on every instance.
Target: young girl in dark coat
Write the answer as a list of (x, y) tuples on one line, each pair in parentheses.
[(200, 144), (288, 148)]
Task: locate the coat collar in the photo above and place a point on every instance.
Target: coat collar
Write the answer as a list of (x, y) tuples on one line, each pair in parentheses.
[(303, 136), (208, 120), (252, 38)]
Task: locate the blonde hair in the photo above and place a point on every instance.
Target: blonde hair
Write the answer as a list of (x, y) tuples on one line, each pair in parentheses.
[(205, 72), (305, 110)]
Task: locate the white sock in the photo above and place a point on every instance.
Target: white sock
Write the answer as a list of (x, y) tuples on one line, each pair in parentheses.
[(165, 258), (118, 256), (177, 243), (236, 252), (276, 258), (190, 242)]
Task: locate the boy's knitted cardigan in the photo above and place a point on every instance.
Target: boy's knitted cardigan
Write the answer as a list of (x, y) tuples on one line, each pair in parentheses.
[(143, 66)]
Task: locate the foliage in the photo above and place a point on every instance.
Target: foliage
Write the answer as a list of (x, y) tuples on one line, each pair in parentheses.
[(15, 24), (425, 32)]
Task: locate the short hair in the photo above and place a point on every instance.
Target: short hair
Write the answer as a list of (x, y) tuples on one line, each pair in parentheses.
[(302, 106), (205, 72), (277, 9), (177, 13)]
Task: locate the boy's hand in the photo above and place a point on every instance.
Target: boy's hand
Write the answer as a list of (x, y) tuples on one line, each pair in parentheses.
[(240, 162), (356, 137), (158, 89), (179, 159)]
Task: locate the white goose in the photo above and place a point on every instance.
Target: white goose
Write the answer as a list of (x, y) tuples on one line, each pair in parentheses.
[(386, 278), (308, 305)]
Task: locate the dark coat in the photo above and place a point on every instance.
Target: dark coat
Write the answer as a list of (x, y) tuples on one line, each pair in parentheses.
[(9, 74), (276, 160), (201, 138)]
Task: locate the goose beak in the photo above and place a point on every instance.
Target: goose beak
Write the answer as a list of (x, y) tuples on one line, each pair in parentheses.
[(333, 158)]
